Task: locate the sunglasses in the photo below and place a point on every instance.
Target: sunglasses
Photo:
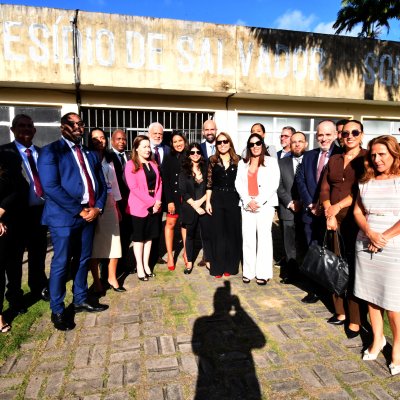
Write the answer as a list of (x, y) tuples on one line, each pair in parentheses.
[(285, 136), (354, 132), (72, 124), (193, 152), (219, 142), (258, 143)]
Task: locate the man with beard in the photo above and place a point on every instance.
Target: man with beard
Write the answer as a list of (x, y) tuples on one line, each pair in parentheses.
[(290, 207), (286, 134), (209, 133), (75, 192)]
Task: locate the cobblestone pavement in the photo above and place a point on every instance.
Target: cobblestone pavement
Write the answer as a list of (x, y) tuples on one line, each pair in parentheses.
[(251, 342)]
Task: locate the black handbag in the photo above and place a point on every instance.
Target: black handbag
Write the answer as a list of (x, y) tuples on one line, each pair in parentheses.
[(326, 268)]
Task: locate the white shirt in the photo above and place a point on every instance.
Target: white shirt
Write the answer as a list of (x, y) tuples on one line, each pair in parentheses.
[(118, 154), (160, 150), (85, 195)]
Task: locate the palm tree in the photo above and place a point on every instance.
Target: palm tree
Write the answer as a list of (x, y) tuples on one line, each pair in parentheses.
[(373, 15)]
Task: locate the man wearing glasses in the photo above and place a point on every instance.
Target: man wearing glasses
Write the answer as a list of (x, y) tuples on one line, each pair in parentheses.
[(75, 193), (286, 134)]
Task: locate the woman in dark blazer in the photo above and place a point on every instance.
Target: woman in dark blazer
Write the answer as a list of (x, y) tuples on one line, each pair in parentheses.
[(170, 169), (192, 187)]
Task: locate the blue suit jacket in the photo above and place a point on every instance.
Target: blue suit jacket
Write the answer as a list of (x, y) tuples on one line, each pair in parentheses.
[(63, 185), (306, 178)]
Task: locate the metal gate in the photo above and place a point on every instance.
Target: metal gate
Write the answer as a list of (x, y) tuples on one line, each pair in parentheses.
[(136, 121)]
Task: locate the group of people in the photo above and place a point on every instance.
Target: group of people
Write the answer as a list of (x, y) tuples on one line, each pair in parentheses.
[(96, 201)]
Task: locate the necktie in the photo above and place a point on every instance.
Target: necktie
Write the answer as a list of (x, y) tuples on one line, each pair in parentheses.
[(157, 155), (35, 174), (122, 159), (212, 149), (298, 160), (87, 176), (321, 164)]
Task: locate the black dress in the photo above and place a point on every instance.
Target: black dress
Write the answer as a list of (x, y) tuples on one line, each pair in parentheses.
[(226, 219), (170, 169), (147, 228)]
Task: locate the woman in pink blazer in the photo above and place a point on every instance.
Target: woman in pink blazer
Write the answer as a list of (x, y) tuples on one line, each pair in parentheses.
[(144, 202)]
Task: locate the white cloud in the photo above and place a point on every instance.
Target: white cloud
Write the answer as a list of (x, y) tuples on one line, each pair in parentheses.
[(241, 22), (295, 20), (327, 27)]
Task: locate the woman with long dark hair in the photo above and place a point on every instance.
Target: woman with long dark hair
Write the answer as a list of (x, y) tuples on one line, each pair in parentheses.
[(144, 203), (106, 241), (171, 167), (338, 195), (222, 203), (192, 187), (257, 182)]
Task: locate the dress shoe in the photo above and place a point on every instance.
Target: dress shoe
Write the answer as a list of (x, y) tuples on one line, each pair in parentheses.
[(150, 275), (118, 289), (90, 307), (335, 321), (367, 356), (161, 261), (351, 334), (394, 369), (45, 294), (61, 322), (287, 281), (188, 271), (311, 298), (202, 263)]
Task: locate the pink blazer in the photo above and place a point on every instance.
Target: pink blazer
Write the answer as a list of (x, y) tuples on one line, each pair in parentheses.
[(139, 199)]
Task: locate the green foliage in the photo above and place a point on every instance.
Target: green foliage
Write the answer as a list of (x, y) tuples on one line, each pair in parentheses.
[(373, 15)]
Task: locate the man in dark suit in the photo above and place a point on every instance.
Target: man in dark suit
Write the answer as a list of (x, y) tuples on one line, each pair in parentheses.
[(286, 134), (209, 133), (120, 157), (75, 193), (159, 149), (25, 230), (290, 207), (308, 181)]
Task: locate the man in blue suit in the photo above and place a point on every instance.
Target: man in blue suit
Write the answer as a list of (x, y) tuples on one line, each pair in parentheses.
[(75, 194), (308, 181), (209, 133)]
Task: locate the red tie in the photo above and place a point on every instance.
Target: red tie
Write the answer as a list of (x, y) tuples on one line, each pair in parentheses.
[(87, 176), (35, 175), (321, 164)]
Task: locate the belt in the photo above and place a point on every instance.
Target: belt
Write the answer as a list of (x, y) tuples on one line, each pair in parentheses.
[(85, 205), (151, 191), (224, 189)]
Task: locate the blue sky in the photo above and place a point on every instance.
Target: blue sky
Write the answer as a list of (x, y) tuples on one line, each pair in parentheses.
[(303, 15)]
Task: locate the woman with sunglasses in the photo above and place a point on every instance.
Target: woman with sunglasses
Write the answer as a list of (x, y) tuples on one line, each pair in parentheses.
[(192, 187), (338, 194), (170, 169), (223, 205), (144, 203), (257, 182)]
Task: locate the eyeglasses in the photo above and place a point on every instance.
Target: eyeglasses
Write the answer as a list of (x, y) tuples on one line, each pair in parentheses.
[(258, 143), (285, 136), (193, 152), (354, 132), (219, 142), (72, 124)]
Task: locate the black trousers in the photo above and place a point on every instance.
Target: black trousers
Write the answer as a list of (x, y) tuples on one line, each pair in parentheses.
[(204, 221)]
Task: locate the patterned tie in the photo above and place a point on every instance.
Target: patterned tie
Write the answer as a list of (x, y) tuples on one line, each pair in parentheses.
[(157, 155), (92, 200), (298, 160), (321, 164), (122, 159), (212, 149), (35, 174)]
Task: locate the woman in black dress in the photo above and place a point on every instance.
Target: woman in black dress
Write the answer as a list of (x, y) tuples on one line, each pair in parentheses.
[(170, 169), (192, 187), (223, 205)]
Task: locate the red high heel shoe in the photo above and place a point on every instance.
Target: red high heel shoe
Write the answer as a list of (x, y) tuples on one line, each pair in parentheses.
[(171, 267), (227, 274)]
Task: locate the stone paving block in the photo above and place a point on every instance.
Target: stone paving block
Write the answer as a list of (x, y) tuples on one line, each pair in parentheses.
[(355, 343), (96, 331), (54, 384), (276, 333), (164, 368), (147, 316), (289, 331), (285, 387), (28, 346), (81, 387), (151, 346), (9, 395), (33, 388), (167, 345), (273, 357), (87, 373), (185, 348), (279, 375), (173, 392), (270, 316), (103, 318), (378, 369), (310, 330), (335, 349), (116, 396), (354, 378), (347, 366), (339, 394), (151, 329), (260, 361), (55, 365), (132, 373), (394, 387), (155, 393), (8, 365), (100, 339), (22, 364), (183, 339), (115, 376), (381, 394), (90, 320), (296, 347), (126, 355), (59, 353), (82, 356), (362, 394), (91, 397), (8, 383), (302, 357), (52, 343), (189, 364), (118, 333), (98, 355), (318, 376), (133, 330)]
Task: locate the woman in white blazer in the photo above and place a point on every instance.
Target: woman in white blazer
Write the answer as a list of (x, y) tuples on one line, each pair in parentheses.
[(256, 182)]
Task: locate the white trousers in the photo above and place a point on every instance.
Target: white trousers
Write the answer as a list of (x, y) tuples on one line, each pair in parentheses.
[(257, 243)]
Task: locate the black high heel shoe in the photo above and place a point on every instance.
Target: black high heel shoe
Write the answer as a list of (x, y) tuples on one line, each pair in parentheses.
[(143, 278), (118, 289), (151, 275)]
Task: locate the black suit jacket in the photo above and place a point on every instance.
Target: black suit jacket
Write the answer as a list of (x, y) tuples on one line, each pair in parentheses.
[(287, 190), (119, 172)]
